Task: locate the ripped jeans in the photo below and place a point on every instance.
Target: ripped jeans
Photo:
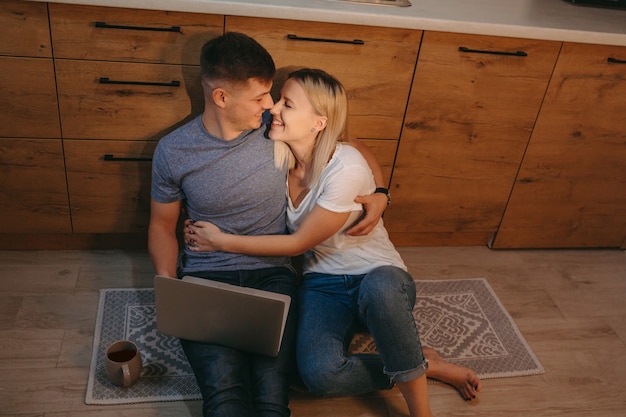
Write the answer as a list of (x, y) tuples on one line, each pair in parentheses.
[(333, 307)]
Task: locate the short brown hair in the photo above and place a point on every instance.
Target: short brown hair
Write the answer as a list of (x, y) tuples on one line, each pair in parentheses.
[(236, 57)]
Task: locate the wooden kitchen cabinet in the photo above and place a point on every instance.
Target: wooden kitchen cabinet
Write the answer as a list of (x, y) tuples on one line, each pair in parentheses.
[(128, 74), (125, 78), (28, 98), (28, 92), (478, 143), (103, 100), (24, 29), (571, 188), (130, 35), (473, 105), (109, 184), (33, 188), (374, 64), (385, 151)]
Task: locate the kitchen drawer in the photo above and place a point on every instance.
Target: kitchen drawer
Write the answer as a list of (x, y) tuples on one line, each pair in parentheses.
[(118, 100), (116, 34), (28, 98), (24, 29), (375, 64), (33, 189), (109, 185)]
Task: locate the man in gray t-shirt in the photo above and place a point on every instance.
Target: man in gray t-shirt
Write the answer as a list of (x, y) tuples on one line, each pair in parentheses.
[(219, 167), (231, 183)]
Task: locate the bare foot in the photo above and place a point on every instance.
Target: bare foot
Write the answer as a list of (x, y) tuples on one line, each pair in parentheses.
[(463, 379)]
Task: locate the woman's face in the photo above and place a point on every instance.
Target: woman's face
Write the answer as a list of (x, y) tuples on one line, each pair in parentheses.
[(294, 117)]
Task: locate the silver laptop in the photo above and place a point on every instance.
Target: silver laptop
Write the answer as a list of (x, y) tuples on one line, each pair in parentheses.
[(213, 312)]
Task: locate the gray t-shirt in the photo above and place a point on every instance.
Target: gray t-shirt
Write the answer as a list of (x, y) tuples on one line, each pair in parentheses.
[(233, 184)]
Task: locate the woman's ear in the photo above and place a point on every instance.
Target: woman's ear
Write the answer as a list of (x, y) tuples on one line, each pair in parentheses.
[(321, 122)]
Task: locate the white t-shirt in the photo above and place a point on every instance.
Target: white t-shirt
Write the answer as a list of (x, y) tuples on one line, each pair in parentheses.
[(346, 176)]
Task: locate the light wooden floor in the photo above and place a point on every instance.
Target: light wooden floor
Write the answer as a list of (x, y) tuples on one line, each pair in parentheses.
[(570, 306)]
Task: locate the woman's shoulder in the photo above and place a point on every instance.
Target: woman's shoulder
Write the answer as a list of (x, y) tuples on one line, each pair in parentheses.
[(348, 164), (346, 150)]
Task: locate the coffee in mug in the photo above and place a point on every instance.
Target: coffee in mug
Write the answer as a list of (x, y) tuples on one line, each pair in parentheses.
[(122, 363)]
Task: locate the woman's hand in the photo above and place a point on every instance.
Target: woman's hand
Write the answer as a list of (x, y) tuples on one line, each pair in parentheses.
[(201, 236), (374, 206)]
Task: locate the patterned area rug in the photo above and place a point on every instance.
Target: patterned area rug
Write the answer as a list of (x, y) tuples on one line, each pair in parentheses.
[(462, 319)]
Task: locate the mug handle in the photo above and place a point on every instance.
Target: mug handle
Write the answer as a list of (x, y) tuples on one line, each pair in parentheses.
[(126, 373)]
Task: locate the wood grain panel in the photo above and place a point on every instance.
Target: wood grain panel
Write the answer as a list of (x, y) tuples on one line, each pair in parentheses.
[(33, 189), (24, 29), (549, 294), (385, 151), (28, 98), (136, 35), (109, 196), (571, 189), (93, 110), (469, 120)]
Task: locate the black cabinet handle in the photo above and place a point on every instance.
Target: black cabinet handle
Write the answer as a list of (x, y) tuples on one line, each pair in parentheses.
[(300, 38), (478, 51), (111, 157), (106, 80), (104, 25), (615, 60)]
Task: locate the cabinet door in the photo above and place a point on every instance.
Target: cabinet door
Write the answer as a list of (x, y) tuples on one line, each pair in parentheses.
[(116, 34), (571, 189), (385, 151), (33, 189), (472, 108), (374, 64), (109, 184), (28, 98), (24, 29), (119, 100)]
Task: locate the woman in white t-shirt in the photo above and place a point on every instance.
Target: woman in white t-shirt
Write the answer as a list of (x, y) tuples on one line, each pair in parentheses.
[(348, 281)]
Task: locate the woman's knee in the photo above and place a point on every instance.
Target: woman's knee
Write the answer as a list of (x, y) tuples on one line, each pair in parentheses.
[(321, 378), (384, 284)]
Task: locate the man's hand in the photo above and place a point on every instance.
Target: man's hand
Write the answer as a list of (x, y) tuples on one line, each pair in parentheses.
[(374, 206)]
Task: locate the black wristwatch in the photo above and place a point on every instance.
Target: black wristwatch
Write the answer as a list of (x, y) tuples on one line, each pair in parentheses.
[(384, 191)]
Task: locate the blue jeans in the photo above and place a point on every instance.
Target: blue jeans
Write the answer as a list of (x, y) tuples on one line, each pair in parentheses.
[(241, 384), (333, 307)]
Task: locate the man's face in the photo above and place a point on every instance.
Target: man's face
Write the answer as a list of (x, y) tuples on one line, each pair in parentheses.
[(246, 104)]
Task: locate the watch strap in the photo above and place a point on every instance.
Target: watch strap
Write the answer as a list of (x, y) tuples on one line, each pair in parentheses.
[(384, 191)]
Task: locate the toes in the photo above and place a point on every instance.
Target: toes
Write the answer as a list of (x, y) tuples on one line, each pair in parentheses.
[(469, 391)]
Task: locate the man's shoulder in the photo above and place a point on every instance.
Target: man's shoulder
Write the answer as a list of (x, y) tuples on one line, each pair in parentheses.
[(182, 131)]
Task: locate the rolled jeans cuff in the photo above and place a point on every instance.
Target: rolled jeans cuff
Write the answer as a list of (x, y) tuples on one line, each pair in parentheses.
[(410, 375)]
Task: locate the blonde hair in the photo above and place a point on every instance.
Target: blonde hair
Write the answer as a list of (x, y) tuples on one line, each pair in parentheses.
[(328, 98)]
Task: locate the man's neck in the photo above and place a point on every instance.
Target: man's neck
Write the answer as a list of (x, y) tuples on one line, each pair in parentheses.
[(217, 128)]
